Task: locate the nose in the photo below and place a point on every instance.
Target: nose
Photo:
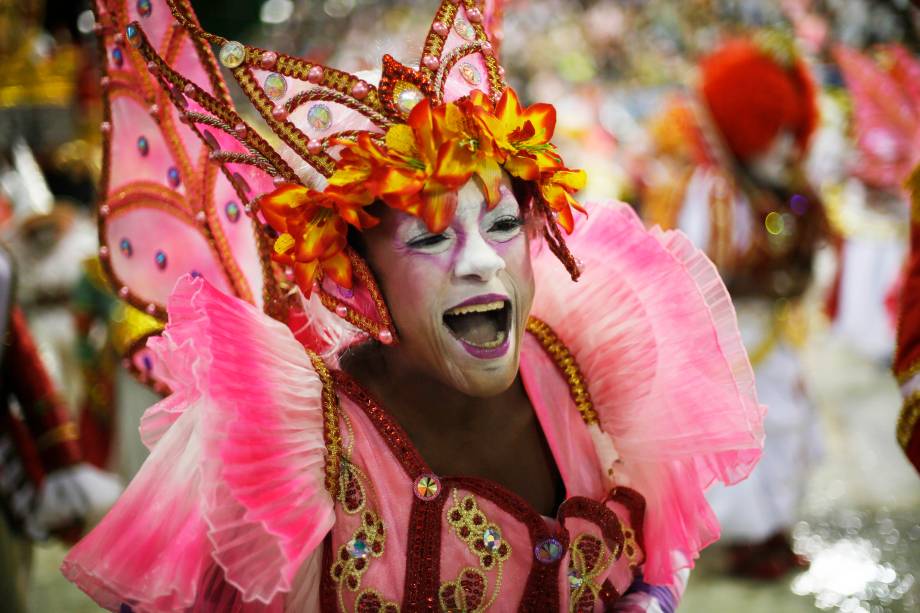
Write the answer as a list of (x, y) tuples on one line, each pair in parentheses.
[(477, 260)]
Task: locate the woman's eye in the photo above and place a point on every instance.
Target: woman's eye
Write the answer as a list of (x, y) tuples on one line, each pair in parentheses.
[(506, 224), (428, 240)]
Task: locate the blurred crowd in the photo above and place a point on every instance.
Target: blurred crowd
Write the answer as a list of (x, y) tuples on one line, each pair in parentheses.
[(779, 135)]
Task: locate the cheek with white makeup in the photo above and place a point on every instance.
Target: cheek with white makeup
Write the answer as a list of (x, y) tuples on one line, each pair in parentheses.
[(459, 299)]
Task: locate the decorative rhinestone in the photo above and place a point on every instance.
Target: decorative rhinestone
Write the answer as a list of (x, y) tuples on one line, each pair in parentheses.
[(118, 57), (104, 210), (279, 113), (160, 259), (103, 252), (144, 8), (105, 127), (148, 363), (386, 337), (189, 89), (195, 274), (470, 73), (314, 146), (143, 146), (491, 539), (240, 130), (407, 97), (359, 90), (319, 116), (200, 217), (151, 309), (172, 175), (124, 245), (315, 75), (431, 62), (342, 311), (123, 292), (133, 33), (357, 548), (440, 28), (232, 54), (548, 551), (275, 86), (268, 60), (464, 28), (210, 140), (427, 487), (232, 209), (474, 15), (575, 579), (486, 48)]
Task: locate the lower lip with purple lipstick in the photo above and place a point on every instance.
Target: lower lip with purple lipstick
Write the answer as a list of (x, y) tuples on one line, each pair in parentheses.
[(482, 325)]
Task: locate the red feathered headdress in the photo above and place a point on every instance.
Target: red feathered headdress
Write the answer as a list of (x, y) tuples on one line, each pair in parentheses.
[(754, 90)]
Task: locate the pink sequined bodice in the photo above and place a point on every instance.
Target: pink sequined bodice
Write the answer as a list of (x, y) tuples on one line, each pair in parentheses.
[(405, 536)]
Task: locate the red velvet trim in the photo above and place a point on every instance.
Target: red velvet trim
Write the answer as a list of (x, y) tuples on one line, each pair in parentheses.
[(423, 561), (598, 514), (635, 504), (328, 602)]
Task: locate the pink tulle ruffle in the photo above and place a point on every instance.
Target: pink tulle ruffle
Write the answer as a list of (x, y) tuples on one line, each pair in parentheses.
[(654, 332), (236, 472)]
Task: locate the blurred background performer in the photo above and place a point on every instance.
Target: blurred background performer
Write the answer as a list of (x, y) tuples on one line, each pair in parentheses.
[(737, 188), (907, 358)]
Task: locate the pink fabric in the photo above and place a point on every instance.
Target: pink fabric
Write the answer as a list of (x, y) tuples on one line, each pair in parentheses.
[(236, 472), (652, 327), (886, 114)]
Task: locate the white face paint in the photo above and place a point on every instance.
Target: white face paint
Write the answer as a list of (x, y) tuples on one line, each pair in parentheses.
[(773, 167), (459, 299)]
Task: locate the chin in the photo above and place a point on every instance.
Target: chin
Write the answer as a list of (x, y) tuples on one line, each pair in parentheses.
[(481, 380)]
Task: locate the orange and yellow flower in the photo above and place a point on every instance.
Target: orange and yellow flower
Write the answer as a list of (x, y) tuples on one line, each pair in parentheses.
[(418, 167)]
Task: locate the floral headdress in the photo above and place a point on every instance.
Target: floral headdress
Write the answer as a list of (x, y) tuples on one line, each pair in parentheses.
[(342, 144), (417, 167)]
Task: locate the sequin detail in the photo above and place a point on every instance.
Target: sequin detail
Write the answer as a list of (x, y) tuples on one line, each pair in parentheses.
[(466, 593), (172, 175), (464, 28), (366, 543), (275, 86), (427, 487), (370, 601), (144, 8), (232, 54), (118, 57), (407, 97), (588, 563), (160, 259), (124, 245), (319, 117), (232, 210), (470, 73), (548, 551), (143, 146)]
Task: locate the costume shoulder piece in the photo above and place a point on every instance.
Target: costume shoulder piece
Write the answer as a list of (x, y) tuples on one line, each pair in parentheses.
[(653, 331), (237, 473)]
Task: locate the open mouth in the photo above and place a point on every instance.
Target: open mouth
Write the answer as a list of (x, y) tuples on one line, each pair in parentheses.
[(480, 325)]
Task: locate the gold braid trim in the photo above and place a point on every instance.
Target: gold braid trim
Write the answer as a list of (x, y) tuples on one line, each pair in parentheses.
[(567, 365), (331, 432), (59, 434), (907, 422)]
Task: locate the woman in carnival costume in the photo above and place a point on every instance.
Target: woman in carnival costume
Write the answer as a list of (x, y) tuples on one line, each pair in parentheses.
[(737, 188), (393, 395)]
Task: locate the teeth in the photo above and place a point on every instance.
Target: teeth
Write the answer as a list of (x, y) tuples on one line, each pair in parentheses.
[(477, 308), (491, 344)]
